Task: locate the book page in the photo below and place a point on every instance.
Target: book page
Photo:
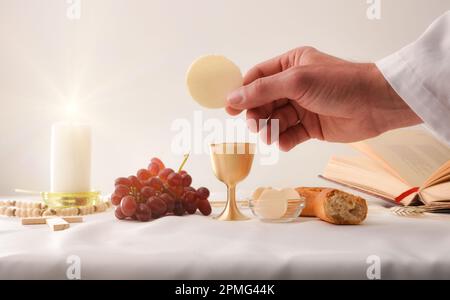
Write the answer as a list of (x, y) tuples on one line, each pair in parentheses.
[(366, 174), (413, 154), (436, 193), (441, 175)]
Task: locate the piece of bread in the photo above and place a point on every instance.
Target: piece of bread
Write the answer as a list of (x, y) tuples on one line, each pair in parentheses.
[(333, 206), (310, 194)]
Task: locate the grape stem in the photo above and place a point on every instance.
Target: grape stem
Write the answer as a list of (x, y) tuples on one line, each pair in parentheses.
[(186, 156)]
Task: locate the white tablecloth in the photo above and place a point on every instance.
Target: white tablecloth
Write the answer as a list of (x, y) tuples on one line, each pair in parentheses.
[(197, 247)]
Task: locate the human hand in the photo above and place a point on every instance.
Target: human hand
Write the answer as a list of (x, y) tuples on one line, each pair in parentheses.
[(315, 95)]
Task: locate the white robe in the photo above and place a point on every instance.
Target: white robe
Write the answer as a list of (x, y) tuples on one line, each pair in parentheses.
[(420, 74)]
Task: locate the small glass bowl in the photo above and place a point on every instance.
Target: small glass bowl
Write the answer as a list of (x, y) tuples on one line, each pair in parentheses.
[(64, 200), (293, 211)]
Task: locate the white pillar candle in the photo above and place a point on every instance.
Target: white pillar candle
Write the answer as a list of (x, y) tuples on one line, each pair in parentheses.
[(70, 158)]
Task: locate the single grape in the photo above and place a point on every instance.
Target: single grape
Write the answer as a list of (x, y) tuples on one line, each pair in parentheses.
[(143, 212), (147, 192), (153, 169), (177, 191), (119, 214), (169, 200), (191, 209), (164, 173), (157, 206), (190, 196), (204, 207), (155, 183), (143, 174), (157, 161), (145, 183), (203, 193), (122, 180), (174, 179), (128, 205), (190, 202), (186, 180), (189, 189), (121, 190), (178, 209), (115, 199), (135, 182)]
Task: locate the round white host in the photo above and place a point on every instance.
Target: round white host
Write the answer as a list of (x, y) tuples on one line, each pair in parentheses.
[(211, 78), (271, 204)]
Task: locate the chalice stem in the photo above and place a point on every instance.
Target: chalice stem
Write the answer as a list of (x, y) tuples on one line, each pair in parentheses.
[(231, 198), (231, 211)]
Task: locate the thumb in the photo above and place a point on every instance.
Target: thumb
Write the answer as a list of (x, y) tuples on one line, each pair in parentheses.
[(286, 84)]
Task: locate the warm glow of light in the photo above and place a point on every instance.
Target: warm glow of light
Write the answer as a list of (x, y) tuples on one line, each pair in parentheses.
[(72, 110)]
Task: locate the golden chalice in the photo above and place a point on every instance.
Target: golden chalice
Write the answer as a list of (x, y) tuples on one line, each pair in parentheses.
[(231, 163)]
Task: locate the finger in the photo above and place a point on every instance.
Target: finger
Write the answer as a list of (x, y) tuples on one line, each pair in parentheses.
[(281, 63), (292, 137), (286, 84), (279, 103), (260, 113), (281, 120), (264, 69), (232, 111), (256, 117), (287, 116)]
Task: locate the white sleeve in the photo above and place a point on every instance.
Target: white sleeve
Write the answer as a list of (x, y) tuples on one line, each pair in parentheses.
[(420, 74)]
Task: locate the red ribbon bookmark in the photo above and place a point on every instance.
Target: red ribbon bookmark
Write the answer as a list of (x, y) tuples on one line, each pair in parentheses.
[(406, 194)]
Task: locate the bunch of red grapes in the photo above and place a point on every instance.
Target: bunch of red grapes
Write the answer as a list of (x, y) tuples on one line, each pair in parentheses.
[(156, 192)]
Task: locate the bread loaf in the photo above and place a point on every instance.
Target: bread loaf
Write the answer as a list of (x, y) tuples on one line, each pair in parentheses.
[(333, 206)]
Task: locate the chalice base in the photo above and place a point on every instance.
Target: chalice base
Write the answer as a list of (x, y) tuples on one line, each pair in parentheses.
[(229, 214)]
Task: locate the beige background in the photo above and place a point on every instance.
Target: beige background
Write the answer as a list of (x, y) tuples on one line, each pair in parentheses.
[(125, 62)]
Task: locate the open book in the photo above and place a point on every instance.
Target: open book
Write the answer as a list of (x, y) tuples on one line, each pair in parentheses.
[(407, 166)]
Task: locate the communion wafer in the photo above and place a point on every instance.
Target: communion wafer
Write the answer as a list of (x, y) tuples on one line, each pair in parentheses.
[(257, 193), (211, 78), (271, 204)]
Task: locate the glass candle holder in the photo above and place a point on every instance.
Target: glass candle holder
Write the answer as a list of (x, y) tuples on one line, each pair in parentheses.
[(64, 200)]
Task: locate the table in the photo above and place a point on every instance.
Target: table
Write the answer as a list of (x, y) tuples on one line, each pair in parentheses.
[(197, 247)]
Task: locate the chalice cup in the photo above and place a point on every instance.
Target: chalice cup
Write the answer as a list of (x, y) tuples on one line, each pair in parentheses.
[(231, 164)]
